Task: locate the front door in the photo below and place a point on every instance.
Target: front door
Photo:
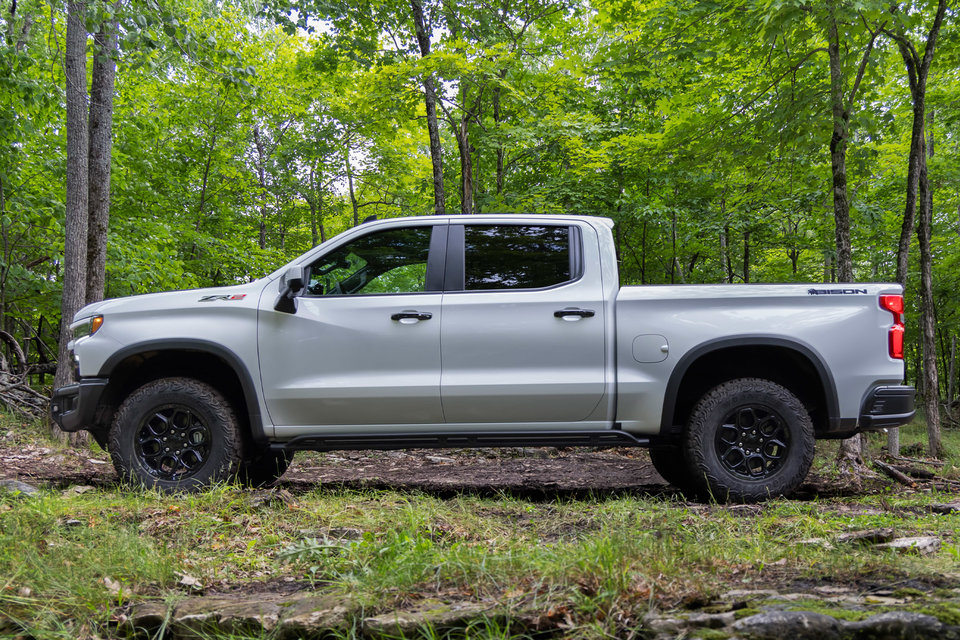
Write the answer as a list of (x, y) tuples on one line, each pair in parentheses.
[(363, 347)]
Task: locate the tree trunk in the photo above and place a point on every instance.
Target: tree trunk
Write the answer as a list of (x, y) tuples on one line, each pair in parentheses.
[(746, 257), (101, 141), (75, 226), (917, 69), (466, 166), (931, 381), (838, 158), (353, 196), (430, 102)]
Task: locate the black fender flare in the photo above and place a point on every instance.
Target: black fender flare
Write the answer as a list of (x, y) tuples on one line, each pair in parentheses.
[(710, 346), (231, 359)]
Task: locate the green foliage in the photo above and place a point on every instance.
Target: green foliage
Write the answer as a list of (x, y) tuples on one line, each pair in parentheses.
[(245, 133)]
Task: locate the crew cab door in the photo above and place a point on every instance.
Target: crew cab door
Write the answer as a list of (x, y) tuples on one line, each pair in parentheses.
[(522, 339), (363, 345)]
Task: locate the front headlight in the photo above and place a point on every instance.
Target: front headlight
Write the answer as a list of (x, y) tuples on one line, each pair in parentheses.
[(86, 327)]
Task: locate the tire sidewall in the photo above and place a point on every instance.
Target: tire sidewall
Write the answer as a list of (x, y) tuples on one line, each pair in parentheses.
[(711, 478), (203, 401)]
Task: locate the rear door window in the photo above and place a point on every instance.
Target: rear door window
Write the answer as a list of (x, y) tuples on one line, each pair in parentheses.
[(517, 257)]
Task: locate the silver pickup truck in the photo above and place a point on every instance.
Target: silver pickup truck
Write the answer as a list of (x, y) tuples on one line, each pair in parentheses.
[(493, 330)]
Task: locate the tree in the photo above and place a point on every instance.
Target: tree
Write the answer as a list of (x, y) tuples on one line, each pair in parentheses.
[(75, 245), (918, 68)]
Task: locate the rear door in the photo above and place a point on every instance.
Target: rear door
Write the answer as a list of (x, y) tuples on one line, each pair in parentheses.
[(522, 339)]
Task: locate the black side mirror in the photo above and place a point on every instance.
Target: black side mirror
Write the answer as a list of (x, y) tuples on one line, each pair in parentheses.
[(290, 285)]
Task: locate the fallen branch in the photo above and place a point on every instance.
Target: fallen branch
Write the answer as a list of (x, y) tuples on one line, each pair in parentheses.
[(915, 472), (932, 463), (894, 473)]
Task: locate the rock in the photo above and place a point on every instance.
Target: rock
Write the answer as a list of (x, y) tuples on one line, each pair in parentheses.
[(197, 617), (924, 545), (748, 594), (796, 625), (945, 509), (144, 618), (18, 488), (869, 536), (711, 620), (433, 614), (663, 624), (899, 625), (314, 615)]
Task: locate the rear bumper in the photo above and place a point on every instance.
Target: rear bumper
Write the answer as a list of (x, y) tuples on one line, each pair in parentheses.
[(73, 407), (887, 407), (884, 408)]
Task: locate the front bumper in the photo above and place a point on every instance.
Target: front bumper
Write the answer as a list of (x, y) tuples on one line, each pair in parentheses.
[(887, 407), (73, 407)]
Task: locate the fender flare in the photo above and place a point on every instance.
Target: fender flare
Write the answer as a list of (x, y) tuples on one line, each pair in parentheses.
[(686, 361), (231, 359)]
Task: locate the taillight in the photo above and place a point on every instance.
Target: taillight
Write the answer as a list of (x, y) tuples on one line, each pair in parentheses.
[(894, 304)]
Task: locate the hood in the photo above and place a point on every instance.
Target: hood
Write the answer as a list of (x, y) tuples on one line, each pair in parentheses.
[(245, 294)]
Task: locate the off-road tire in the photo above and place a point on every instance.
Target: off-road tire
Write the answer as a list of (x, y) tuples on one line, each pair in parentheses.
[(265, 468), (669, 462), (176, 434), (748, 440)]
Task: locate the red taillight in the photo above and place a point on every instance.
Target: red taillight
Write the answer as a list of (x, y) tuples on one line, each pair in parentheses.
[(894, 304), (896, 341)]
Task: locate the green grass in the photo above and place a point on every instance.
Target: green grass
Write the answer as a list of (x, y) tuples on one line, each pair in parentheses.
[(70, 563)]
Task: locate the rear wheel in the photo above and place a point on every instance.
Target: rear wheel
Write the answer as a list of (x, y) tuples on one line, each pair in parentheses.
[(175, 434), (748, 440)]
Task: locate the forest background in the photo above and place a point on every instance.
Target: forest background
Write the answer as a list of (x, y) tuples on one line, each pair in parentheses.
[(739, 141)]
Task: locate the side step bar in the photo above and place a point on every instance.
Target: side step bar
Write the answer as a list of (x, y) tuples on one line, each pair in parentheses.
[(383, 442)]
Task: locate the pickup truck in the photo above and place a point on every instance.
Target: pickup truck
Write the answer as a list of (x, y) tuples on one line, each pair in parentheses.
[(486, 330)]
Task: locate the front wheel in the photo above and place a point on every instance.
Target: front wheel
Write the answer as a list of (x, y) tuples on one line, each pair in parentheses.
[(176, 434), (748, 440)]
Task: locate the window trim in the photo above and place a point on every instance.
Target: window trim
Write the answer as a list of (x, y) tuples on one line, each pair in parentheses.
[(455, 272), (436, 257)]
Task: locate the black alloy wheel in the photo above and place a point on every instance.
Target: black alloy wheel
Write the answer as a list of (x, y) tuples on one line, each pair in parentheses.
[(753, 442), (173, 443)]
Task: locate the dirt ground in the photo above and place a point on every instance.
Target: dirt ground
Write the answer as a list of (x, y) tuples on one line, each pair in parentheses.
[(543, 473)]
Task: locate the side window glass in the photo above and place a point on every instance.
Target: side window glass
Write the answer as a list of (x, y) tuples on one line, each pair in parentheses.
[(516, 256), (393, 261)]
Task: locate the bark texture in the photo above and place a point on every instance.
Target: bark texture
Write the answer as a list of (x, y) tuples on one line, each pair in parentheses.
[(100, 150), (75, 241), (430, 102)]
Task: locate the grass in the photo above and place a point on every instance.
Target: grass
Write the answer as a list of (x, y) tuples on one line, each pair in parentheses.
[(70, 563)]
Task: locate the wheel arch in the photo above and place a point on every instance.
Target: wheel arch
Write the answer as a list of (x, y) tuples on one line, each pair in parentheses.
[(717, 361), (135, 365)]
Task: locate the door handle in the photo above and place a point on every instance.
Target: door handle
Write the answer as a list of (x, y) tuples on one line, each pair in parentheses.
[(411, 315), (580, 313)]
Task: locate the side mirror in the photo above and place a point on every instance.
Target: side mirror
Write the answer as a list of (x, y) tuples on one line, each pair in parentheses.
[(290, 285)]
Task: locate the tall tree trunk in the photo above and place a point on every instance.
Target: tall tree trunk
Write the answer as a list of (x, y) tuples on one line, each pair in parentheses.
[(496, 120), (262, 182), (746, 257), (850, 454), (101, 141), (931, 381), (75, 240), (917, 68), (838, 157), (430, 102), (466, 166), (353, 196)]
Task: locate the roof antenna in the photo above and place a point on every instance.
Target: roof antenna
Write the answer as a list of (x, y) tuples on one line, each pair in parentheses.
[(369, 219)]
